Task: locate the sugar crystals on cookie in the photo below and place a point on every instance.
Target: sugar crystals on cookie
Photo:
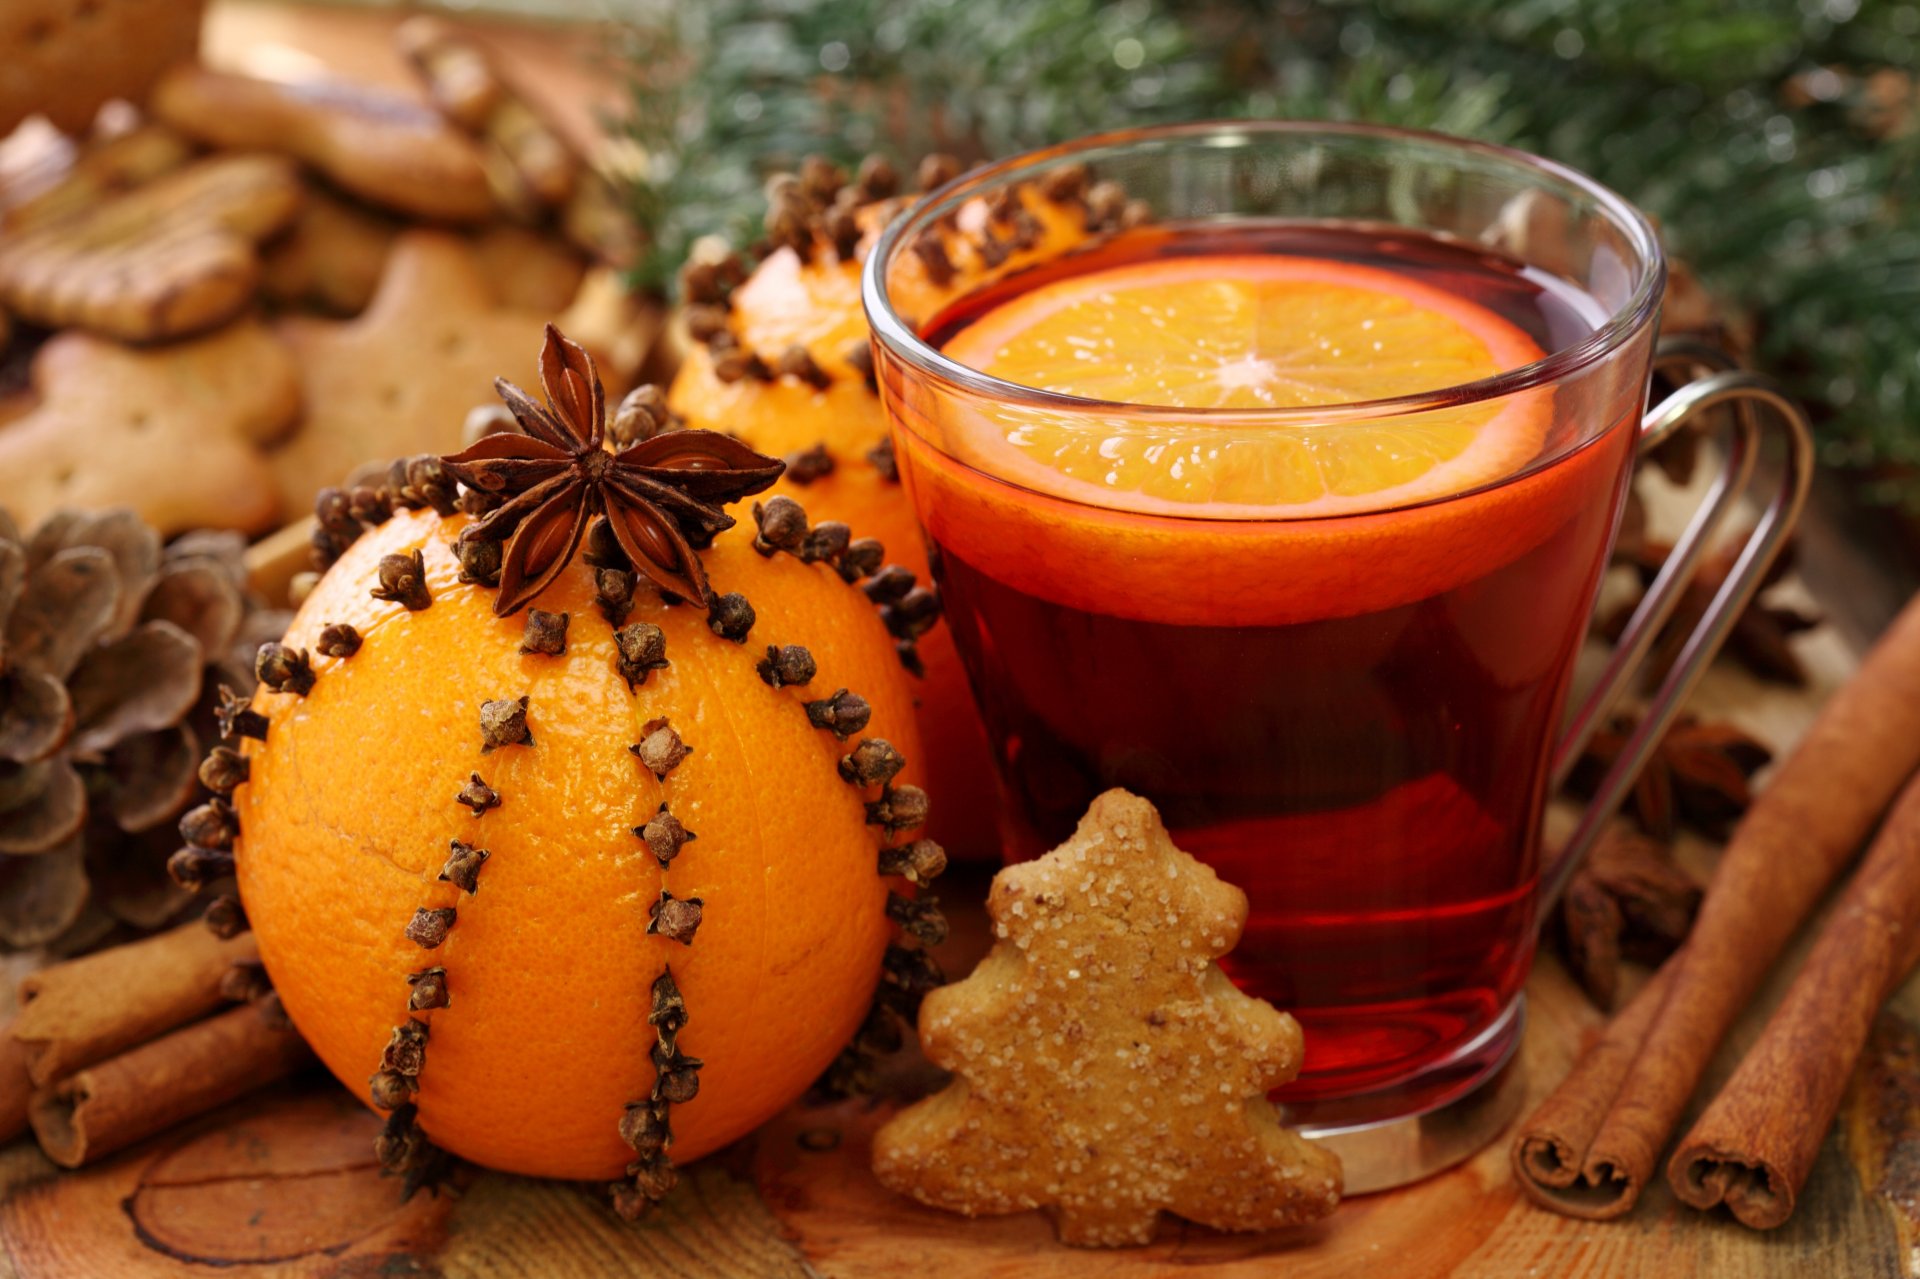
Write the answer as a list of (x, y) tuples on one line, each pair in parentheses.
[(1107, 1070)]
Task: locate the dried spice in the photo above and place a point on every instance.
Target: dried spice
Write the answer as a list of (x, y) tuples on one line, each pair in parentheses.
[(642, 414), (890, 584), (827, 541), (781, 523), (210, 825), (675, 918), (1700, 774), (664, 836), (406, 1050), (874, 762), (430, 926), (429, 989), (920, 862), (914, 615), (194, 867), (733, 363), (640, 649), (678, 1081), (613, 594), (907, 974), (884, 461), (235, 716), (225, 917), (898, 808), (403, 580), (389, 1090), (730, 617), (1628, 901), (545, 633), (1761, 636), (936, 169), (477, 795), (661, 497), (337, 639), (463, 864), (645, 1127), (283, 669), (808, 466), (705, 322), (660, 749), (875, 179), (932, 252), (479, 559), (797, 362), (503, 722), (862, 558), (786, 664), (223, 769), (1066, 184), (843, 714), (918, 917)]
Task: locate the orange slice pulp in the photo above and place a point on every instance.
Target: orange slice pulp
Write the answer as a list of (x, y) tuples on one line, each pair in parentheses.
[(1236, 335)]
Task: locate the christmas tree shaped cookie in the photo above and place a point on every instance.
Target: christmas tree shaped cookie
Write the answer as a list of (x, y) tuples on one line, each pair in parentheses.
[(1105, 1068)]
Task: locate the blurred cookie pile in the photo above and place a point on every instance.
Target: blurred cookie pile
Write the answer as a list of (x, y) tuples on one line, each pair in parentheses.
[(222, 293)]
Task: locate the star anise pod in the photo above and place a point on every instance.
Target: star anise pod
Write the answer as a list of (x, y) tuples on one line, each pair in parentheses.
[(661, 498), (1759, 638), (1629, 901), (1700, 774)]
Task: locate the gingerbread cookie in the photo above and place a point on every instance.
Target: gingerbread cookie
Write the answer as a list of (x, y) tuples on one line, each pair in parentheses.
[(1107, 1069), (381, 147), (175, 432), (527, 270), (530, 165), (65, 58), (172, 257), (400, 378), (330, 260), (534, 169), (78, 177)]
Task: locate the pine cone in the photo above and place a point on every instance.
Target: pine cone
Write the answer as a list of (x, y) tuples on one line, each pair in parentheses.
[(112, 651)]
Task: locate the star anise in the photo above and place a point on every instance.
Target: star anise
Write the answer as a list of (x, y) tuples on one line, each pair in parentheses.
[(1629, 901), (661, 498), (1760, 635), (1700, 774)]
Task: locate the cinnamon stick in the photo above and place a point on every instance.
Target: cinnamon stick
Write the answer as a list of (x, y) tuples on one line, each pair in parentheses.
[(91, 1008), (15, 1086), (109, 1106), (1551, 1146), (1756, 1143), (1805, 825)]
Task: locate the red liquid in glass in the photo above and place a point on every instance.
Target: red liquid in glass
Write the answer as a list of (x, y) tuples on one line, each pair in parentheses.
[(1374, 782)]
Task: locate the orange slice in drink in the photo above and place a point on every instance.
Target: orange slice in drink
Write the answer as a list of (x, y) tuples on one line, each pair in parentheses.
[(1236, 336)]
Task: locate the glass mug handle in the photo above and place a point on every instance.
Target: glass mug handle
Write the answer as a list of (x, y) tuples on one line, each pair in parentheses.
[(1717, 382)]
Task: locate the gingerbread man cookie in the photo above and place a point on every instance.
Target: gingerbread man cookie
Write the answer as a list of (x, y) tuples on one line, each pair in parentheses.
[(66, 58), (168, 258), (399, 379), (1107, 1069), (174, 432), (381, 147)]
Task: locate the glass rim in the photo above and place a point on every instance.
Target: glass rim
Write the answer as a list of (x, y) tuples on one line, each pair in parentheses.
[(1626, 321)]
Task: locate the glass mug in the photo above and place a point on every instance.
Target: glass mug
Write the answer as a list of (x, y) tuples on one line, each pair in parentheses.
[(1355, 716)]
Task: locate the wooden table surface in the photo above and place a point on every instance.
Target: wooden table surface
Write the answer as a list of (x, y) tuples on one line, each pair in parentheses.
[(285, 1185)]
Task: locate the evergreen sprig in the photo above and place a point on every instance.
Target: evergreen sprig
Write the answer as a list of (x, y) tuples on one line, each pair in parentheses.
[(1766, 135)]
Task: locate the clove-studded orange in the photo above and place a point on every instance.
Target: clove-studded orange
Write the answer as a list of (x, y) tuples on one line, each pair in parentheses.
[(781, 358), (579, 838)]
